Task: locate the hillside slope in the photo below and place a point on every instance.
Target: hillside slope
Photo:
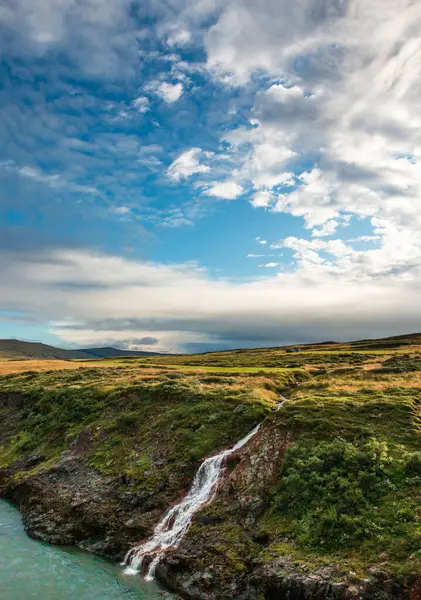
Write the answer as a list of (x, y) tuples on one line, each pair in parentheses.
[(265, 357), (317, 355), (322, 503), (17, 349)]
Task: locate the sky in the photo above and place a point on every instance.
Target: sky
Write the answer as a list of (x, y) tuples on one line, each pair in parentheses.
[(184, 176)]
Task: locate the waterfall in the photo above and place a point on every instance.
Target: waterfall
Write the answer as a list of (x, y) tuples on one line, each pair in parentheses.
[(171, 530), (281, 403)]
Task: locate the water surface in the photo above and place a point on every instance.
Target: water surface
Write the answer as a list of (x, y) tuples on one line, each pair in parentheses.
[(32, 570)]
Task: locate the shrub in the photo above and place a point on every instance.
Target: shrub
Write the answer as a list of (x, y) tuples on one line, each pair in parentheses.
[(128, 421), (319, 372), (413, 464), (330, 489)]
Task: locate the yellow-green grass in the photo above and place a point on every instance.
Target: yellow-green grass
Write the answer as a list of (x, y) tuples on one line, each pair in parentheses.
[(187, 367), (9, 366), (353, 424), (143, 422)]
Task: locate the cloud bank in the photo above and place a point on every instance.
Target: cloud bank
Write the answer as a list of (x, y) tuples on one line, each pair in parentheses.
[(94, 298)]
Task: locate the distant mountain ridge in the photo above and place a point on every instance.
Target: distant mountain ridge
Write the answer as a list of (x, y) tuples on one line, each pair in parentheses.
[(17, 349)]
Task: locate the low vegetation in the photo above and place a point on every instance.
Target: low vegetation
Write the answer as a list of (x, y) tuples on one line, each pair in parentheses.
[(141, 421), (349, 487)]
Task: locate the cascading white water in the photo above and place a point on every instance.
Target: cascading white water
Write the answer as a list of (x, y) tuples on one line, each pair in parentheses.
[(171, 530), (281, 403)]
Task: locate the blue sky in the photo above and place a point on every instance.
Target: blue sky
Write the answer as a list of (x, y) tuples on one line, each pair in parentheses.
[(184, 176)]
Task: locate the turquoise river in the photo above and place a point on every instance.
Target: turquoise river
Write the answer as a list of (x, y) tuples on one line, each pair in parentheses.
[(31, 570)]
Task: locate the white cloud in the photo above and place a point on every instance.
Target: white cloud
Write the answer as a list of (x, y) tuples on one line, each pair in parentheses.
[(343, 100), (252, 36), (229, 190), (270, 265), (398, 257), (266, 162), (179, 37), (260, 241), (187, 164), (141, 104), (365, 238), (170, 92), (327, 229), (266, 165), (99, 36), (121, 210), (255, 255), (54, 181), (262, 199), (282, 93), (90, 298)]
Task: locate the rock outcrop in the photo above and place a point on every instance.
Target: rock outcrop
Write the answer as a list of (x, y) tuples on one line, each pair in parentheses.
[(223, 555)]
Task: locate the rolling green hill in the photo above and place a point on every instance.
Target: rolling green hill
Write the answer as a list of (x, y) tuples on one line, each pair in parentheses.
[(17, 349), (324, 502), (268, 357)]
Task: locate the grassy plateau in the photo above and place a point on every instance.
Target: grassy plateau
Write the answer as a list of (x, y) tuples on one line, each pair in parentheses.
[(348, 491)]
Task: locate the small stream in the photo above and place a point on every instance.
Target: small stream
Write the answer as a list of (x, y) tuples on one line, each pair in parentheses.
[(170, 531), (32, 570)]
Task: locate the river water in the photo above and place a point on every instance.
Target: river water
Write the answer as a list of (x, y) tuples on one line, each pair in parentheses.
[(31, 570)]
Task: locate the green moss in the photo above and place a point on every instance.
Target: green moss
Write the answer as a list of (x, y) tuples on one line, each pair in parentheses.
[(149, 433), (225, 546), (18, 445), (191, 423), (403, 363)]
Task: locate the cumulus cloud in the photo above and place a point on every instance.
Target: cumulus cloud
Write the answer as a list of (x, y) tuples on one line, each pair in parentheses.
[(228, 190), (267, 163), (121, 210), (250, 36), (170, 92), (262, 199), (339, 134), (264, 156), (187, 164), (327, 229), (179, 37), (141, 104), (397, 257)]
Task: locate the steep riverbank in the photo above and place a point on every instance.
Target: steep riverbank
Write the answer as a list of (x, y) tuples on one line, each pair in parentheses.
[(98, 466), (222, 556)]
